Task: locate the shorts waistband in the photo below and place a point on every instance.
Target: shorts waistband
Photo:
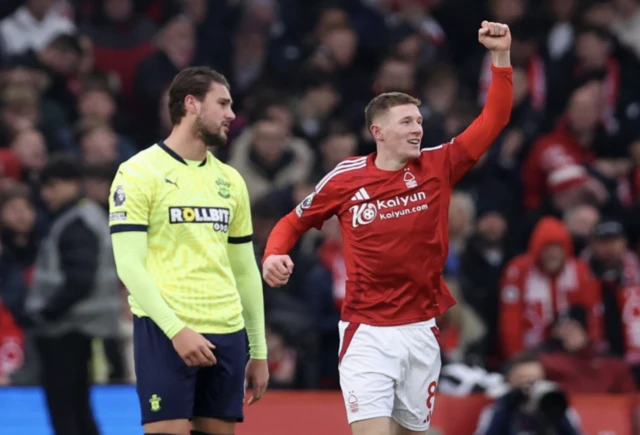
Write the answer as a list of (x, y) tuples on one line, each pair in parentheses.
[(416, 325)]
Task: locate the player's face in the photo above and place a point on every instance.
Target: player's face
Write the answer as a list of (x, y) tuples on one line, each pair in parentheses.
[(401, 131), (215, 116)]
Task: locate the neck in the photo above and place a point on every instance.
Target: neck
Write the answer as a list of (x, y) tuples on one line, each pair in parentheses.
[(584, 137), (185, 144), (389, 162)]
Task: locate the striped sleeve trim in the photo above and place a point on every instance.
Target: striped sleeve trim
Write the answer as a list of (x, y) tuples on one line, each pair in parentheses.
[(240, 240), (128, 228)]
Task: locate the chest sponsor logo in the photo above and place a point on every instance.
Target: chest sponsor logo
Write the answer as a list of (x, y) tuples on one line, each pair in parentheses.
[(218, 216), (393, 208)]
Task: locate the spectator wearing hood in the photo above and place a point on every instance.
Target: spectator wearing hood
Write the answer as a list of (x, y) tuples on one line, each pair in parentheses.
[(539, 285)]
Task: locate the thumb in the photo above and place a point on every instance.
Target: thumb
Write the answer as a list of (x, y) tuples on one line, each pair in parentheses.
[(209, 344), (288, 264)]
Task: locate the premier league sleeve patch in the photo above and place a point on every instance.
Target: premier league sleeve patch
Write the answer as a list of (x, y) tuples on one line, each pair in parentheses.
[(119, 197), (305, 204)]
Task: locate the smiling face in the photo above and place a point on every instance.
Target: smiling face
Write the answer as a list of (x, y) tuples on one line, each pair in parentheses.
[(400, 131)]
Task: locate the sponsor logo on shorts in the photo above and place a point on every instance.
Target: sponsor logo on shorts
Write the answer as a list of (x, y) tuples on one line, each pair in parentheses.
[(117, 216), (218, 216)]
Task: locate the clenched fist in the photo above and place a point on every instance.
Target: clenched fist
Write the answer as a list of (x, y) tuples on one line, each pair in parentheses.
[(494, 36), (277, 269)]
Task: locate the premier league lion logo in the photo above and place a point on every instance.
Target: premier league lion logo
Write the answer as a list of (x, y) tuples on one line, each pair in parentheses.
[(118, 196)]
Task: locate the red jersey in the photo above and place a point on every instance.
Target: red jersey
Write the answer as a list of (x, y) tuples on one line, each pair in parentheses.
[(395, 223)]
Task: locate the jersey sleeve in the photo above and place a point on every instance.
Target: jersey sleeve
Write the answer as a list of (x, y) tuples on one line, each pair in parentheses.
[(464, 151), (241, 227), (130, 200), (319, 205)]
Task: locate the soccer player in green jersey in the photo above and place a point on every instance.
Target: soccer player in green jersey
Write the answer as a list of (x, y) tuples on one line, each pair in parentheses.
[(182, 237)]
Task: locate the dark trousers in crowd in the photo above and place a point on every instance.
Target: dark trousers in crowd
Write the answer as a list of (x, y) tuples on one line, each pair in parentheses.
[(66, 381)]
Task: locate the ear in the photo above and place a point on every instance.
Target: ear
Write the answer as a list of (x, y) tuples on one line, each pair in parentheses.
[(191, 104), (376, 132)]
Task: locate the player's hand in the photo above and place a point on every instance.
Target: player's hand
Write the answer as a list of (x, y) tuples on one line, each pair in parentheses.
[(257, 376), (495, 36), (193, 348), (277, 269)]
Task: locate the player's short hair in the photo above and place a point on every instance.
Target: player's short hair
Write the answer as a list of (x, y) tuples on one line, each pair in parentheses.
[(383, 102), (194, 81)]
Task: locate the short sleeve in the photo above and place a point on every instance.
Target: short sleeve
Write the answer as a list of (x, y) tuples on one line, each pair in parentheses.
[(129, 201), (241, 227)]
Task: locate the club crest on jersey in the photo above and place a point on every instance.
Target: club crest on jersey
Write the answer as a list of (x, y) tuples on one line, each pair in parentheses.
[(305, 204), (218, 216), (410, 179), (119, 197), (223, 188)]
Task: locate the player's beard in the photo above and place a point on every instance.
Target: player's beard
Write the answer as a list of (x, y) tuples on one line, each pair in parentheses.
[(209, 136)]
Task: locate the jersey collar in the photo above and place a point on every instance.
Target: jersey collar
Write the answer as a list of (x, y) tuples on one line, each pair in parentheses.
[(175, 155)]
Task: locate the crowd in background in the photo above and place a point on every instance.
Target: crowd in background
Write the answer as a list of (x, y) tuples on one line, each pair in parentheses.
[(544, 230)]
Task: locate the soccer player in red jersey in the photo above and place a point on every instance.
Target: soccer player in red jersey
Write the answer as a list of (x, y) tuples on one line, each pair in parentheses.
[(393, 211)]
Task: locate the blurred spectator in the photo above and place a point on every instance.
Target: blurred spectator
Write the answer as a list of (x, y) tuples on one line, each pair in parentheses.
[(532, 405), (618, 270), (17, 257), (337, 145), (318, 100), (462, 332), (121, 39), (556, 160), (97, 182), (176, 46), (539, 285), (30, 148), (73, 298), (626, 25), (571, 360), (561, 31), (481, 264), (268, 156), (323, 293), (34, 25), (461, 218), (98, 143), (60, 61), (581, 220), (282, 361)]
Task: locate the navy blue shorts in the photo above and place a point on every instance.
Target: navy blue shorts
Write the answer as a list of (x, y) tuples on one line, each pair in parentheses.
[(168, 389)]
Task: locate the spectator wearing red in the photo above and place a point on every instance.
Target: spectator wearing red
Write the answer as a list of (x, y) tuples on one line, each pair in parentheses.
[(618, 270), (539, 285), (573, 361), (121, 39), (557, 159)]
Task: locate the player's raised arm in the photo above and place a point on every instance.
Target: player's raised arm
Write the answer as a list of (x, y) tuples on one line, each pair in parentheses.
[(471, 144), (128, 219), (247, 276), (316, 208)]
